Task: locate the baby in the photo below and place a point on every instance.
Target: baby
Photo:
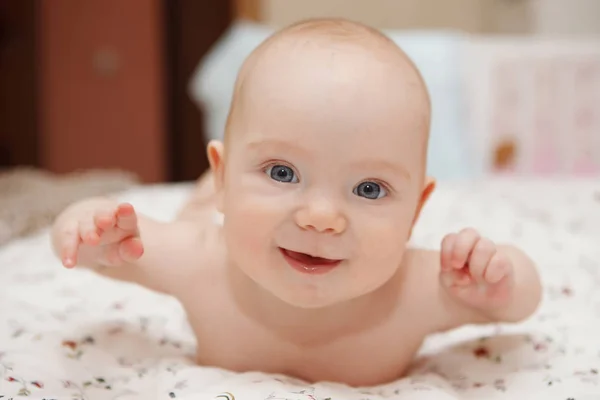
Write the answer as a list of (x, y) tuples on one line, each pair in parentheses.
[(292, 256)]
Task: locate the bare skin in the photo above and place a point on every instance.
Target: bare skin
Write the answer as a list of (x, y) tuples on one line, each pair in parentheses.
[(324, 157)]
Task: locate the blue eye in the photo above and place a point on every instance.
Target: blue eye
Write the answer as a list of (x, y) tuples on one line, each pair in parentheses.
[(282, 173), (369, 190)]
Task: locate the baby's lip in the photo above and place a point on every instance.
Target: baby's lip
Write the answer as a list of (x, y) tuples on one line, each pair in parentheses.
[(308, 264), (317, 258)]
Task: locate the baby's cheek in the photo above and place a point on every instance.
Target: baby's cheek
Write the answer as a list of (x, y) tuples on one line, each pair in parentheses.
[(245, 233), (247, 228), (386, 243)]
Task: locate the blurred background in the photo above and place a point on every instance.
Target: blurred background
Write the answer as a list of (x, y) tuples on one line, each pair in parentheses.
[(141, 85)]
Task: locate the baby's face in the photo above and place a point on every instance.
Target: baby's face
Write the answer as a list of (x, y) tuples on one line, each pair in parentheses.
[(323, 180)]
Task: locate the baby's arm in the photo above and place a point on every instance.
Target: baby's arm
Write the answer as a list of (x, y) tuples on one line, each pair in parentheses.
[(526, 291), (115, 241), (481, 282)]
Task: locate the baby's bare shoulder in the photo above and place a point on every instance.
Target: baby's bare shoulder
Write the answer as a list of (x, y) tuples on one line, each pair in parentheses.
[(202, 252), (202, 266), (201, 201)]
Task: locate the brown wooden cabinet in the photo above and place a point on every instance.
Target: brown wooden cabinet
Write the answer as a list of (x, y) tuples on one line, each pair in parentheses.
[(103, 84), (18, 83)]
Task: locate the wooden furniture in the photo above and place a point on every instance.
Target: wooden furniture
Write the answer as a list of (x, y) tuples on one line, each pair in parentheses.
[(18, 83), (103, 84), (192, 28)]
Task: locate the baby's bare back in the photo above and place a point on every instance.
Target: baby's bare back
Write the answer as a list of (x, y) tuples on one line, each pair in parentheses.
[(228, 337)]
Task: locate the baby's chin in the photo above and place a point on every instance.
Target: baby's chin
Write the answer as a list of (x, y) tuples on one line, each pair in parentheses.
[(309, 302), (306, 291), (325, 296)]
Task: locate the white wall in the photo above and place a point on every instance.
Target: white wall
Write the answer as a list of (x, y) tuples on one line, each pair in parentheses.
[(556, 17), (407, 14)]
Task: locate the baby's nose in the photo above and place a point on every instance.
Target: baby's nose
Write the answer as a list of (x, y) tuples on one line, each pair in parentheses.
[(322, 217)]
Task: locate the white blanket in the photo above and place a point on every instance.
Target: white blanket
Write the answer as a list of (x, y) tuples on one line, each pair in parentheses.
[(74, 335)]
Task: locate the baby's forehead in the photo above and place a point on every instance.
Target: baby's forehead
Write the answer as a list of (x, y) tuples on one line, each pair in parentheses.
[(312, 69), (337, 48), (332, 41), (323, 88)]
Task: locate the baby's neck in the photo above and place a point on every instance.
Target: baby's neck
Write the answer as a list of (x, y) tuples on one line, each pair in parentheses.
[(311, 327)]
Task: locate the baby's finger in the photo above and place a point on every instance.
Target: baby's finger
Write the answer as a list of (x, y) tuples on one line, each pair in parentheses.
[(69, 246), (480, 258), (126, 217), (463, 246), (131, 249), (446, 252), (498, 268), (105, 219), (455, 277), (89, 232)]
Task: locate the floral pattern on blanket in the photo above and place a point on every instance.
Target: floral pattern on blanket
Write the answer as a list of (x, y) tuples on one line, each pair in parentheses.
[(73, 335)]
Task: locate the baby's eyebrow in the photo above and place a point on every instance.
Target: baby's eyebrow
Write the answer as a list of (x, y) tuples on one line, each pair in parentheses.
[(276, 144), (378, 164)]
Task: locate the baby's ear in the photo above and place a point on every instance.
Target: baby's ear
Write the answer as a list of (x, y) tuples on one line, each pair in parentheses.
[(215, 153), (428, 188)]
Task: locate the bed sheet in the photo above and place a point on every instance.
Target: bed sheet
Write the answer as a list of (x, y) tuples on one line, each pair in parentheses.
[(73, 335)]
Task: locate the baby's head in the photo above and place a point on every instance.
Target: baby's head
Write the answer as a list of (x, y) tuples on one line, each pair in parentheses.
[(324, 154)]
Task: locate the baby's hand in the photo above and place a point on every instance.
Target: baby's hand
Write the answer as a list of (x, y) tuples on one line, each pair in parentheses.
[(105, 235), (475, 271)]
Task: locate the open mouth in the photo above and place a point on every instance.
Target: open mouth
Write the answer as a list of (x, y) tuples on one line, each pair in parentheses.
[(308, 264)]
